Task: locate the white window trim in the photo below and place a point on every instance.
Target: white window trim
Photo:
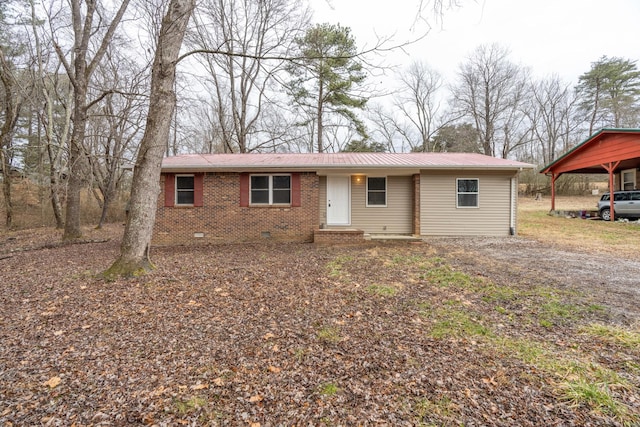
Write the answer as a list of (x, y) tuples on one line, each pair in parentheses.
[(193, 190), (477, 193), (271, 203), (386, 191), (633, 178)]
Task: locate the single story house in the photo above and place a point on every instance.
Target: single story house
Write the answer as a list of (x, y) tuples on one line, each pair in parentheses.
[(313, 197)]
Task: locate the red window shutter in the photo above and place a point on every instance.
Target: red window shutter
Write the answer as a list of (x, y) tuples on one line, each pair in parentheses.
[(169, 190), (296, 196), (244, 189), (198, 184)]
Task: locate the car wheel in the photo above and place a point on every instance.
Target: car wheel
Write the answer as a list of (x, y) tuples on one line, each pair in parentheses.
[(605, 214)]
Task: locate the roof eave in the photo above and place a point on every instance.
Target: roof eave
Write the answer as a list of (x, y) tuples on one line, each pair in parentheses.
[(547, 169), (333, 168)]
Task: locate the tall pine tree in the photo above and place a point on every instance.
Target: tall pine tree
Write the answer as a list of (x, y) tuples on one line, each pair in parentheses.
[(610, 94), (325, 79)]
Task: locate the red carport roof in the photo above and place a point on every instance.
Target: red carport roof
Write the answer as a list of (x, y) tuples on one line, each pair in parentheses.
[(336, 161), (603, 147)]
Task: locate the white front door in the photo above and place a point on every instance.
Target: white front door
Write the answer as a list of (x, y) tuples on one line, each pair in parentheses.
[(338, 200)]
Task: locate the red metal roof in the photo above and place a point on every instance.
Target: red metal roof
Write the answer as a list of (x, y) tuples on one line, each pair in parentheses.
[(604, 146), (333, 161)]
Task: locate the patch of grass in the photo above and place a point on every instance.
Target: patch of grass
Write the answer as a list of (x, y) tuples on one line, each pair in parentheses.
[(581, 383), (526, 350), (329, 389), (188, 406), (596, 308), (329, 334), (425, 409), (590, 236), (633, 367), (299, 354), (453, 322), (424, 308), (495, 293), (443, 406), (614, 334), (382, 290), (335, 266), (501, 310), (410, 259), (597, 397), (560, 310), (444, 276), (555, 312)]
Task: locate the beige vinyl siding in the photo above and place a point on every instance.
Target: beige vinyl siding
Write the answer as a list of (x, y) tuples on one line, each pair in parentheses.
[(394, 218), (440, 216)]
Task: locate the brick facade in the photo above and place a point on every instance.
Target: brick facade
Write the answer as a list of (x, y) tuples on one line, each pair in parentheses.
[(222, 219), (416, 204), (334, 237)]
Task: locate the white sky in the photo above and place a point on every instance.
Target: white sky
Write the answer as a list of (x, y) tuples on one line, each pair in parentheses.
[(548, 36)]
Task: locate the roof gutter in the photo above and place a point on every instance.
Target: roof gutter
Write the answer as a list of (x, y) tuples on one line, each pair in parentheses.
[(337, 168)]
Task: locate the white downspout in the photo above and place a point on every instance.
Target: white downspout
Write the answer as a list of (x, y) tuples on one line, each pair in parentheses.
[(514, 206)]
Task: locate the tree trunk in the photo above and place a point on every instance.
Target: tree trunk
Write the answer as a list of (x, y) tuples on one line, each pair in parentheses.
[(596, 101), (55, 199), (134, 250), (72, 229), (319, 118), (12, 104), (108, 193), (6, 186), (54, 161)]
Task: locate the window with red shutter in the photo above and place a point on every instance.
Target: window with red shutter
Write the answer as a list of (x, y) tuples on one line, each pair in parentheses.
[(198, 190)]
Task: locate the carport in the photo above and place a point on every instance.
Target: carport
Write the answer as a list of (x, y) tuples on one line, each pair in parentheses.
[(615, 152)]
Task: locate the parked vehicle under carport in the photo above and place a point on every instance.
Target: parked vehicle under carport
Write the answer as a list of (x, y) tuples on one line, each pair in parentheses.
[(626, 204)]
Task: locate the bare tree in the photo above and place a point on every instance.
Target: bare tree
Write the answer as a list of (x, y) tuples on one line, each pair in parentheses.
[(88, 21), (384, 128), (490, 92), (134, 250), (51, 101), (420, 106), (253, 30), (114, 125), (550, 110)]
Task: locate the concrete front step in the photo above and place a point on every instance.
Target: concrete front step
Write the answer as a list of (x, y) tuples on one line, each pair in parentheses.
[(399, 237)]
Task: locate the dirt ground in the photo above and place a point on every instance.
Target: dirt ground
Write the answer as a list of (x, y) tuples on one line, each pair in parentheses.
[(609, 279), (448, 332)]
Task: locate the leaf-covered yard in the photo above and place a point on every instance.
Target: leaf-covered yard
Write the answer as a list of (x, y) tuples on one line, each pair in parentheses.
[(437, 333)]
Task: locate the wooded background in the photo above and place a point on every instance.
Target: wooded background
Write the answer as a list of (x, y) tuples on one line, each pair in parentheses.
[(260, 77)]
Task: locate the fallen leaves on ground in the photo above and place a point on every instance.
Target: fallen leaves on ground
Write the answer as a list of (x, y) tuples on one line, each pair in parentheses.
[(282, 334)]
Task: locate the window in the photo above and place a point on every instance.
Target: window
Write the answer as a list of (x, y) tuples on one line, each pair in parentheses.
[(468, 191), (629, 179), (376, 191), (185, 186), (270, 189)]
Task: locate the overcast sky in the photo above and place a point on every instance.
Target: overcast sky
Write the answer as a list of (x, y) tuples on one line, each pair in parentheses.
[(548, 36)]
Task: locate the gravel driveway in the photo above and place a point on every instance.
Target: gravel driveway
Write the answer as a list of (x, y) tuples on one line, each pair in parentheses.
[(609, 280)]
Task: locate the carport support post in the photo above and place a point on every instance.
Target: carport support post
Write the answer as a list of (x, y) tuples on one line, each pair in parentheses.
[(554, 177), (611, 167)]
